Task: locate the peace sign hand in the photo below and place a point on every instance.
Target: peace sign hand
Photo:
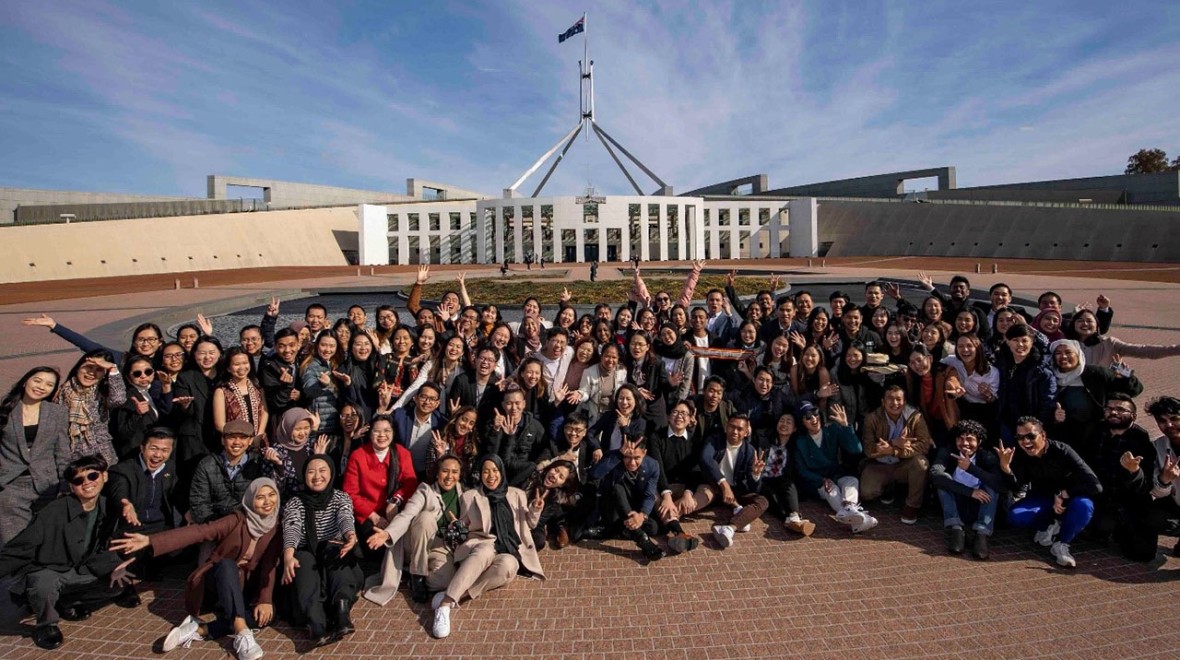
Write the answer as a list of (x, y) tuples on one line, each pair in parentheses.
[(1130, 462), (729, 279), (1170, 471), (1005, 455), (538, 503), (440, 445), (453, 404), (759, 463), (272, 310), (964, 462)]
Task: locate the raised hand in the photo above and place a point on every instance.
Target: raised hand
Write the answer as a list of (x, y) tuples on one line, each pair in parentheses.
[(440, 445), (759, 463), (141, 406), (1103, 301), (798, 339), (1130, 462), (272, 310), (325, 378), (321, 444), (453, 404), (893, 290), (964, 462), (538, 503), (561, 392), (1004, 454), (624, 418), (828, 390), (205, 324), (830, 341), (731, 277), (837, 414), (646, 394), (676, 378), (565, 295), (926, 281), (774, 281), (423, 273), (698, 266), (1171, 470), (498, 418), (44, 320)]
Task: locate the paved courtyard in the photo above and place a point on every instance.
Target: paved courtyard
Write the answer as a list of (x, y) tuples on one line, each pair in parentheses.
[(892, 592)]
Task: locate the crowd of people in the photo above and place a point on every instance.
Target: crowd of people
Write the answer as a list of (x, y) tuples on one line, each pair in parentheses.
[(311, 465)]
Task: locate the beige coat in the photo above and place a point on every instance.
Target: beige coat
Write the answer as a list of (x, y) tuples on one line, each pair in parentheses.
[(475, 511), (426, 501)]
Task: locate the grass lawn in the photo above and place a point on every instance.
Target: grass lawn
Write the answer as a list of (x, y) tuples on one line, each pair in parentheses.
[(514, 291)]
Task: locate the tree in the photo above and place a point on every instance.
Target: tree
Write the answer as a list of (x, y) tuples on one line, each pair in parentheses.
[(1147, 161), (1176, 164)]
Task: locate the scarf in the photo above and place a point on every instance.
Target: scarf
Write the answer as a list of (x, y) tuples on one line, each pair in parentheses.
[(75, 398), (502, 519), (1072, 378), (257, 525), (1036, 323), (315, 502), (673, 351), (287, 426)]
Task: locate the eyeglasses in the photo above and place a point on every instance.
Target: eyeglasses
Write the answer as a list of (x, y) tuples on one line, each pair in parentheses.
[(142, 372), (348, 415), (488, 360), (83, 478), (174, 356), (147, 340), (1026, 437), (1119, 411), (427, 399)]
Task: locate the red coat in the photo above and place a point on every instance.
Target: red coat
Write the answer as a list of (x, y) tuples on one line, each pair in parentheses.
[(366, 477)]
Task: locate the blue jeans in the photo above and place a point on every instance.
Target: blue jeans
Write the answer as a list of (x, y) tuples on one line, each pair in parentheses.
[(1036, 511), (956, 508)]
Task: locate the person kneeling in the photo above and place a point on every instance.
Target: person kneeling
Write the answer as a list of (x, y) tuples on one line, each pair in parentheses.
[(240, 569), (61, 561), (968, 483), (318, 541), (417, 535), (499, 542)]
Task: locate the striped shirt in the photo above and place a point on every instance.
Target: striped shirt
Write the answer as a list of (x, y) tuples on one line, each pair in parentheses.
[(333, 523)]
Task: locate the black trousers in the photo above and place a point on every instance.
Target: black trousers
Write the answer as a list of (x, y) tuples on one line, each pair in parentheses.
[(230, 600), (783, 496), (1140, 537), (617, 503), (46, 590), (324, 577)]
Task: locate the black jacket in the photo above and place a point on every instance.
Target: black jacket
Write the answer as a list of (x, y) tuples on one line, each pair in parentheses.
[(986, 468), (56, 539), (520, 450), (127, 480), (1060, 468), (213, 493), (195, 433), (278, 393)]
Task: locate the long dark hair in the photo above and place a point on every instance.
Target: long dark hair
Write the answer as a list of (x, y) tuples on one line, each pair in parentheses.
[(155, 355), (566, 493), (224, 377), (18, 390)]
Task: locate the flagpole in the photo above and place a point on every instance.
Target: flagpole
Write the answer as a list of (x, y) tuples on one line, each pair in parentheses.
[(586, 59)]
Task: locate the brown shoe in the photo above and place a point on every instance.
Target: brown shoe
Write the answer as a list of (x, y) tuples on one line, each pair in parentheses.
[(562, 538), (909, 515), (804, 527), (681, 543)]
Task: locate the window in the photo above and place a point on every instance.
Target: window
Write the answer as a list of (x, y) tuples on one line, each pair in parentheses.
[(456, 221), (413, 221), (393, 224), (435, 222)]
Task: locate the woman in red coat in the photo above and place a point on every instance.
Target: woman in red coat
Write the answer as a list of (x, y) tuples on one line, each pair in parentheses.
[(240, 569), (379, 478)]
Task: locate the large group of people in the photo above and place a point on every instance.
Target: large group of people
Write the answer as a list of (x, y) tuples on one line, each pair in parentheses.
[(440, 447)]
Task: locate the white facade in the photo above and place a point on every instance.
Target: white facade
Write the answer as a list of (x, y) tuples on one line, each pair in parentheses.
[(560, 229)]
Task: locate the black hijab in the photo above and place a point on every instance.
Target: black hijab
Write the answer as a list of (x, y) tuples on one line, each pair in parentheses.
[(313, 502), (503, 521), (673, 351)]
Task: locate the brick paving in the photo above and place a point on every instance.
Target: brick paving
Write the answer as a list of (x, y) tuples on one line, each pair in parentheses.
[(892, 592)]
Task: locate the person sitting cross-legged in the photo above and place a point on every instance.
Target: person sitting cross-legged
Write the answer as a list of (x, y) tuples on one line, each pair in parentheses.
[(895, 440), (969, 483), (1060, 486), (678, 457), (778, 481), (732, 469), (821, 456), (61, 561)]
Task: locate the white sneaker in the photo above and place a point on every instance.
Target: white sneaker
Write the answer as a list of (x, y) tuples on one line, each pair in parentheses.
[(744, 528), (1046, 536), (184, 634), (442, 622), (849, 515), (1061, 552), (724, 535), (865, 523), (246, 647), (438, 600)]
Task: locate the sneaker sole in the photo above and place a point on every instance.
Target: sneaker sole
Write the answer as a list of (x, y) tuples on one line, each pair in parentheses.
[(805, 527)]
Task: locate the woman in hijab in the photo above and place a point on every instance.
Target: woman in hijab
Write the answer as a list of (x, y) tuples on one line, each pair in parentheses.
[(318, 542), (292, 447), (678, 364), (1082, 391), (499, 519), (240, 570)]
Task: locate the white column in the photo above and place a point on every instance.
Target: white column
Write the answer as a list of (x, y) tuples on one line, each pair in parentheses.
[(517, 235), (373, 235), (644, 228), (735, 247), (538, 248), (498, 220), (662, 219)]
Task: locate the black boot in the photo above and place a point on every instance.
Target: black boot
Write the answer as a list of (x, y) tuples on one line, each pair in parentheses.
[(47, 637), (129, 598), (650, 548), (418, 590), (979, 547), (956, 540), (343, 621)]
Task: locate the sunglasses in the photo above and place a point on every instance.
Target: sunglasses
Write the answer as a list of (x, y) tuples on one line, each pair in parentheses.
[(142, 372), (1021, 437), (81, 479), (810, 415)]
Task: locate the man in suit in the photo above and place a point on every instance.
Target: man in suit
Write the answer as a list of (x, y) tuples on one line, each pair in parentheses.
[(61, 561), (627, 497), (142, 488), (414, 425), (478, 387)]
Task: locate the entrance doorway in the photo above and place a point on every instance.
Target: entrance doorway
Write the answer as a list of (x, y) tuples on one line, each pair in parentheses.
[(592, 252)]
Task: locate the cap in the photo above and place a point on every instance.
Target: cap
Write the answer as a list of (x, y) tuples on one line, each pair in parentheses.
[(238, 427), (806, 408)]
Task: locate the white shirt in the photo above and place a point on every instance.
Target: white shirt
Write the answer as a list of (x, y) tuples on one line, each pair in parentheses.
[(728, 461)]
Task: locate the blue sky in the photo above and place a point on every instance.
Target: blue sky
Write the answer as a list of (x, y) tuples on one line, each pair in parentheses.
[(151, 97)]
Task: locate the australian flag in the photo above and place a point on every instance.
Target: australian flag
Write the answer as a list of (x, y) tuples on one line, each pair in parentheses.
[(578, 28)]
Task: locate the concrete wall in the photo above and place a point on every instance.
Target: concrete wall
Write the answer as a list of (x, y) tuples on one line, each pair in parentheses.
[(890, 184), (416, 188), (34, 215), (10, 198), (1155, 188), (864, 228), (288, 194), (307, 237), (757, 182)]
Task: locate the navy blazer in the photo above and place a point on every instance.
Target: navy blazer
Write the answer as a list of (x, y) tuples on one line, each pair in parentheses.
[(403, 422), (713, 452), (647, 479), (600, 434)]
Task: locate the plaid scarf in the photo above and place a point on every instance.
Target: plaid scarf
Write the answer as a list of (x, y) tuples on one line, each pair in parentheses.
[(77, 400)]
